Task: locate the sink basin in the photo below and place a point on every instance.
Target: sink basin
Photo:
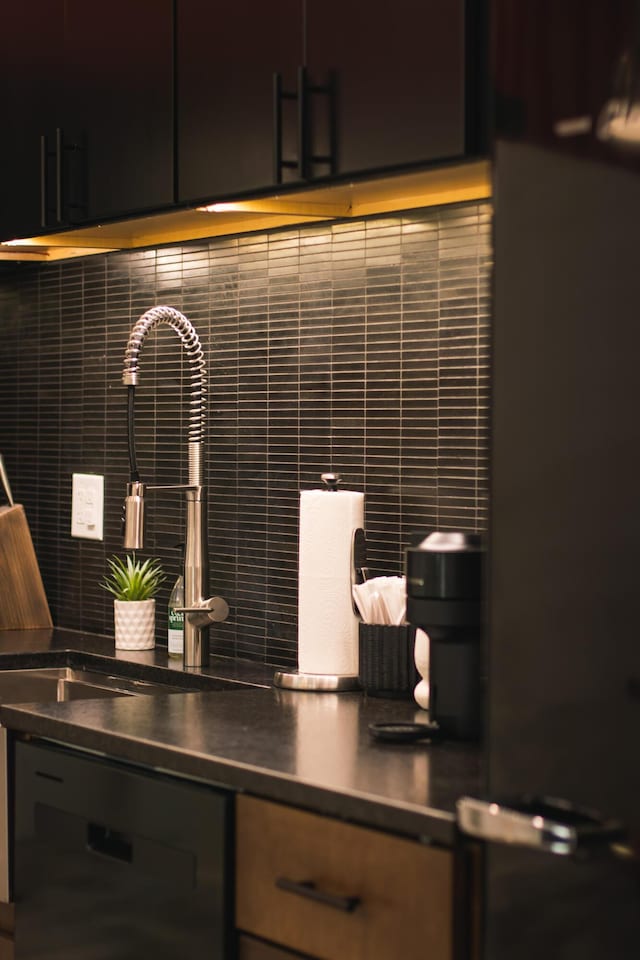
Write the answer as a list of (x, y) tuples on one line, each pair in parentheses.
[(46, 684)]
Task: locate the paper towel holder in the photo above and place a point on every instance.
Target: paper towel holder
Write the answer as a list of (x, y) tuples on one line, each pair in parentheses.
[(331, 481), (329, 682), (315, 682)]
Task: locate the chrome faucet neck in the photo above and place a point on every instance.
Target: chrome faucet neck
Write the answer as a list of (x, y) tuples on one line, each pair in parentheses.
[(200, 610)]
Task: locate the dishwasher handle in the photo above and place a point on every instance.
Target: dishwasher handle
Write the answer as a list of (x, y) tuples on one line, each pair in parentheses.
[(547, 824), (109, 843)]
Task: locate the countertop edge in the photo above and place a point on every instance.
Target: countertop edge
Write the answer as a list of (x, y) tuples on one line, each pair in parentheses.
[(427, 824), (358, 801)]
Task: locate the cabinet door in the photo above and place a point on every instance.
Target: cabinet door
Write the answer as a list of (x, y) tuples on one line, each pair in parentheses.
[(31, 58), (399, 72), (96, 82), (227, 55), (118, 119)]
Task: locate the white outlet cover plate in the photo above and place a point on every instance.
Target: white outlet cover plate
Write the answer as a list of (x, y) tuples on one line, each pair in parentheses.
[(87, 506)]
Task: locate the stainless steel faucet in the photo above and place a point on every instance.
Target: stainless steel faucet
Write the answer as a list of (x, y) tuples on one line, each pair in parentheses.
[(199, 610)]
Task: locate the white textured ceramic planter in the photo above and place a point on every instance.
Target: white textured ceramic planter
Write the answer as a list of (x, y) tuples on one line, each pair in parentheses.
[(135, 624)]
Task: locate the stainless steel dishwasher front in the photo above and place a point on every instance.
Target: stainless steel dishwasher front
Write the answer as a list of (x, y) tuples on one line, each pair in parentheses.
[(115, 861)]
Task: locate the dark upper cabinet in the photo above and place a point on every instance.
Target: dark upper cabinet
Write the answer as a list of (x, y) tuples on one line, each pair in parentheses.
[(30, 63), (297, 90), (88, 112), (389, 78), (132, 106), (227, 55), (119, 106)]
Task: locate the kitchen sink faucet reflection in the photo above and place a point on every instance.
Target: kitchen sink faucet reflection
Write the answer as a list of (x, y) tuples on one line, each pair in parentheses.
[(199, 609)]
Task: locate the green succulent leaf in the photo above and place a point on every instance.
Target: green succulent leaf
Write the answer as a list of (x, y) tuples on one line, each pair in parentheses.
[(133, 579)]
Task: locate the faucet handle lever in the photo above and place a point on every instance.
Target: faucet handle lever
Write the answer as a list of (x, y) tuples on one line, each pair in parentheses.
[(213, 610), (173, 486)]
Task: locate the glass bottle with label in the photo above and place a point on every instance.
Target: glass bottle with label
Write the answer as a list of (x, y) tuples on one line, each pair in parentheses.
[(175, 633)]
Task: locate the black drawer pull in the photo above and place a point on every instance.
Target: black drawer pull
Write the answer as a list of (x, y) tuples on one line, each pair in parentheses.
[(308, 889), (49, 776)]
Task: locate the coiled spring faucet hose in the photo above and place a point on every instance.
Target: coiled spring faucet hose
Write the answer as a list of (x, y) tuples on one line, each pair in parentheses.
[(198, 376)]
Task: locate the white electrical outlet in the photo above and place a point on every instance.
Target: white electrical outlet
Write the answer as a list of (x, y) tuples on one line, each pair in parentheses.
[(87, 506)]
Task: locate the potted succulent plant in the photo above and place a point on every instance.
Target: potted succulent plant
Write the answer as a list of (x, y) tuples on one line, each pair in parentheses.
[(134, 584)]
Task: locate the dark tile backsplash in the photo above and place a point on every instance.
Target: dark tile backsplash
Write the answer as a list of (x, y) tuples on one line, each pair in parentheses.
[(358, 347)]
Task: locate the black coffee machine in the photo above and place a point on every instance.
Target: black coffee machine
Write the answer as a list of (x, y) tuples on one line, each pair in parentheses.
[(444, 587)]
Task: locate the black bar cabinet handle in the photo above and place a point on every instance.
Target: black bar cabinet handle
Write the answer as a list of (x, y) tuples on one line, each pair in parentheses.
[(277, 128), (329, 90), (279, 164), (308, 890), (58, 175), (43, 180), (303, 112)]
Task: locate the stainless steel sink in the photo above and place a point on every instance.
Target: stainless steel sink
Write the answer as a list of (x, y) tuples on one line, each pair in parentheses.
[(47, 684)]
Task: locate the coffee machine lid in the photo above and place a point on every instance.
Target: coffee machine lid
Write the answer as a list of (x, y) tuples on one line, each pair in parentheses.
[(450, 541), (446, 565)]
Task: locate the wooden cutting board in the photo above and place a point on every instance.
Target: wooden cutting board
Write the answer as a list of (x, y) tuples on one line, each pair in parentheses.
[(23, 602)]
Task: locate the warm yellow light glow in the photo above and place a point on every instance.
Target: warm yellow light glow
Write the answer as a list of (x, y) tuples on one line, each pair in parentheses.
[(17, 243), (466, 181), (220, 207), (298, 206)]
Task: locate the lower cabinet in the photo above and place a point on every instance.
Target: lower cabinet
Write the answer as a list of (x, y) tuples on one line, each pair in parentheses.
[(113, 860), (117, 861), (331, 890)]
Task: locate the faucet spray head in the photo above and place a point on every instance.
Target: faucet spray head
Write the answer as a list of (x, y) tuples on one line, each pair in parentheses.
[(134, 516)]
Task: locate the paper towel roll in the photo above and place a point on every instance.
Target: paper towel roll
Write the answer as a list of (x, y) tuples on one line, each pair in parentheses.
[(327, 625)]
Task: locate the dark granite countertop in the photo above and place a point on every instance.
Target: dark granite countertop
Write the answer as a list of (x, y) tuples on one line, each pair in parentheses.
[(308, 749)]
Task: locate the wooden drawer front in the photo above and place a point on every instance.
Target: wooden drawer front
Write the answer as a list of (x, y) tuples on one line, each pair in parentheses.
[(404, 889)]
